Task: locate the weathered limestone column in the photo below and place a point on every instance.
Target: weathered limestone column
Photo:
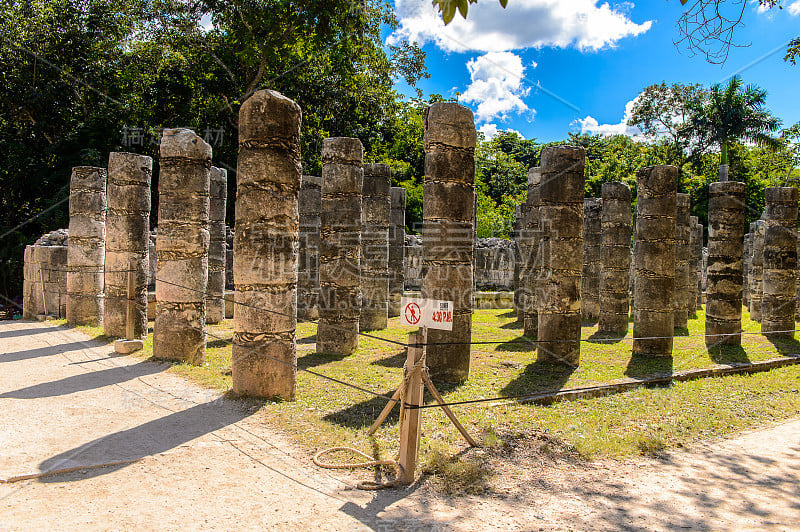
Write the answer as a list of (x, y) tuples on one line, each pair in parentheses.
[(561, 250), (87, 245), (529, 248), (698, 281), (780, 262), (308, 268), (616, 263), (127, 239), (592, 258), (375, 221), (179, 331), (517, 262), (448, 233), (758, 228), (340, 246), (681, 294), (746, 264), (654, 255), (265, 246), (695, 258), (397, 247), (797, 287), (218, 198), (725, 251)]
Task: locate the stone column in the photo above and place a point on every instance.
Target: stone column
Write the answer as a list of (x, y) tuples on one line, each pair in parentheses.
[(695, 257), (698, 280), (340, 246), (397, 246), (127, 239), (592, 259), (215, 294), (681, 294), (654, 256), (517, 262), (758, 228), (529, 248), (616, 263), (308, 268), (746, 263), (179, 330), (265, 246), (725, 250), (780, 262), (375, 221), (561, 250), (448, 233), (87, 245)]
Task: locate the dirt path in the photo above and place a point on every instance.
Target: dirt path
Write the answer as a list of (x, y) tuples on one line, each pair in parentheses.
[(183, 458)]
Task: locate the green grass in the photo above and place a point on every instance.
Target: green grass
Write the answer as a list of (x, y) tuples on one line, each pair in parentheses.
[(643, 421)]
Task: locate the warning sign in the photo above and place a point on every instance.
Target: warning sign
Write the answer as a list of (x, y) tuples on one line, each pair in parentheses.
[(431, 313)]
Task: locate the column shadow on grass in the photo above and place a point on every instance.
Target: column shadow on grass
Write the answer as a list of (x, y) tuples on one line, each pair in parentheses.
[(640, 367), (363, 414), (599, 337), (787, 347), (513, 325), (317, 359), (395, 361), (728, 354), (520, 344), (539, 377)]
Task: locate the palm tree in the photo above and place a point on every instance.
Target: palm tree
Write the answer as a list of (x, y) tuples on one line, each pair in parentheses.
[(730, 114)]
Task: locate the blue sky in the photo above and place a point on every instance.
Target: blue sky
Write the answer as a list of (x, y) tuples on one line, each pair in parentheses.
[(591, 58)]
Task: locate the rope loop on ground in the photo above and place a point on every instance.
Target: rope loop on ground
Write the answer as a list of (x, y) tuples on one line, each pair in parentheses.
[(369, 462)]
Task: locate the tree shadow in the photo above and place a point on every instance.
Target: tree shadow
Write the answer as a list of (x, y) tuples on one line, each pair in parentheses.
[(539, 377), (317, 359), (728, 354), (680, 331), (148, 439), (86, 381), (520, 344), (599, 337), (646, 367)]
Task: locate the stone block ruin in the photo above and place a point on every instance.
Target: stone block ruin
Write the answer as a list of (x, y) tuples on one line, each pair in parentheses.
[(335, 248)]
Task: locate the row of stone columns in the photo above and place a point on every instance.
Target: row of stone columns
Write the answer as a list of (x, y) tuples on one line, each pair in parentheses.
[(182, 246)]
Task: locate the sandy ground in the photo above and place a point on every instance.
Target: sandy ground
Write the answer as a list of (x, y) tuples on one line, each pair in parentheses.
[(183, 458)]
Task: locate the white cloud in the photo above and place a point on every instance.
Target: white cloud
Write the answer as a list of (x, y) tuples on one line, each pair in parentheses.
[(592, 126), (794, 8), (496, 86), (522, 24), (491, 130)]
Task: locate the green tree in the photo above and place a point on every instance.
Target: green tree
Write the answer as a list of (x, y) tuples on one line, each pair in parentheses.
[(734, 113)]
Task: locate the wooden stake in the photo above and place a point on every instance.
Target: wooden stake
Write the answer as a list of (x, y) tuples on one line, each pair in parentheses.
[(131, 307), (385, 412), (410, 417)]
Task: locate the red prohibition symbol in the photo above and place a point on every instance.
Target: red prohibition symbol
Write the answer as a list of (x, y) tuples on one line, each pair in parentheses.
[(413, 313)]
